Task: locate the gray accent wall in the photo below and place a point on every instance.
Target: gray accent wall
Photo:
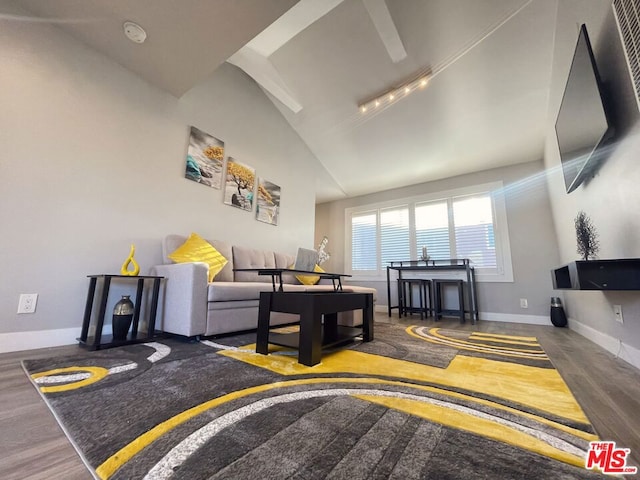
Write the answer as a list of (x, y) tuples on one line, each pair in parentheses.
[(531, 233), (611, 198), (92, 160)]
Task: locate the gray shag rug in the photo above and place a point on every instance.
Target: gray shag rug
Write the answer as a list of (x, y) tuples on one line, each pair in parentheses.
[(416, 403)]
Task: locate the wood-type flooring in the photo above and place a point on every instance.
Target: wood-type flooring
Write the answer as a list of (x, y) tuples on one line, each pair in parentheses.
[(33, 446)]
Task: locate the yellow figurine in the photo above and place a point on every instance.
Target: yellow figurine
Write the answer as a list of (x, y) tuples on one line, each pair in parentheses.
[(124, 270)]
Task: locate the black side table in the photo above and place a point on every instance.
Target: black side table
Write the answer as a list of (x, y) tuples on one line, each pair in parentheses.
[(99, 341)]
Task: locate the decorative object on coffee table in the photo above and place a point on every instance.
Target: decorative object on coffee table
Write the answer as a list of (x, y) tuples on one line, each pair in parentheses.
[(587, 237), (122, 318), (124, 270)]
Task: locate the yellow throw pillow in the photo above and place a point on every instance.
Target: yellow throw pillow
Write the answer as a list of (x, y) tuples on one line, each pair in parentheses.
[(197, 249), (310, 279)]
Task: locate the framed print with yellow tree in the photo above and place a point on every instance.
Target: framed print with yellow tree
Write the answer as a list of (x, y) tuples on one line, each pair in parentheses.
[(268, 206), (240, 183), (205, 157)]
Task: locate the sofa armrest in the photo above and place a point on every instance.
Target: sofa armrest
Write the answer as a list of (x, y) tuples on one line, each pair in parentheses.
[(184, 305)]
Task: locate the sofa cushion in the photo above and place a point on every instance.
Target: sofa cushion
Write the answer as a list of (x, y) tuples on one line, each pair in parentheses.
[(172, 242), (249, 258), (310, 279), (237, 291), (285, 261), (197, 249)]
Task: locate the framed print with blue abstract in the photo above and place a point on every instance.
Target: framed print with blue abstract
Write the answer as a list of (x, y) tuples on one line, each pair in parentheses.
[(205, 157)]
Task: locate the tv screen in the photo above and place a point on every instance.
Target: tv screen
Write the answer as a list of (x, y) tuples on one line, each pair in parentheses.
[(582, 126)]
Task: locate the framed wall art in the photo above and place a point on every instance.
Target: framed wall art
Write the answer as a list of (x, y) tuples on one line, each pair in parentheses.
[(205, 157), (240, 182), (268, 202)]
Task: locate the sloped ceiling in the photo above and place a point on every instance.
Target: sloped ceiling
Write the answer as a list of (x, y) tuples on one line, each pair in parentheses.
[(485, 105)]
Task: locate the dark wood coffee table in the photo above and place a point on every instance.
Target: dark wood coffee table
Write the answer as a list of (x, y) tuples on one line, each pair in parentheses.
[(318, 321)]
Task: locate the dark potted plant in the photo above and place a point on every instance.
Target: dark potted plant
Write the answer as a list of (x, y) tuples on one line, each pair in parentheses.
[(586, 236)]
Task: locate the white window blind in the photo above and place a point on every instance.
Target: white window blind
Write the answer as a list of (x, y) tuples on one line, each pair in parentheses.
[(364, 242), (432, 230), (474, 234), (394, 235)]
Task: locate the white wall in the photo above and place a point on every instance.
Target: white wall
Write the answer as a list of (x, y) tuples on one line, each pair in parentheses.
[(532, 238), (612, 197), (92, 160)]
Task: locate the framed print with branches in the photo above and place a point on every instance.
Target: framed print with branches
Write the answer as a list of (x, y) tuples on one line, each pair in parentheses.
[(240, 183), (268, 204)]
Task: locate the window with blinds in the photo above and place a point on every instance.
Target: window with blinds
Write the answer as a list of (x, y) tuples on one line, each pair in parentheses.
[(457, 226), (364, 242), (432, 230), (394, 235), (473, 229)]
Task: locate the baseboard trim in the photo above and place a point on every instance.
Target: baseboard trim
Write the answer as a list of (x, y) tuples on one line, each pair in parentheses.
[(515, 318), (497, 317), (617, 347), (19, 341)]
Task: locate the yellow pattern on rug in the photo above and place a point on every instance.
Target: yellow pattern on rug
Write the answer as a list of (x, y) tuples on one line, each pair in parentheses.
[(539, 388)]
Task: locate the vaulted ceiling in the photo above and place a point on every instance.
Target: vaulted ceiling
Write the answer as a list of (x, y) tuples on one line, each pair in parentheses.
[(487, 62)]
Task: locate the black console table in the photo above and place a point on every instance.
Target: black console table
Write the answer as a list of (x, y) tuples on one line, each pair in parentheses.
[(620, 274), (99, 341), (433, 267)]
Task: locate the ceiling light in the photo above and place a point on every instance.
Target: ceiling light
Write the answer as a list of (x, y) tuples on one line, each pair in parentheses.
[(134, 32), (417, 81)]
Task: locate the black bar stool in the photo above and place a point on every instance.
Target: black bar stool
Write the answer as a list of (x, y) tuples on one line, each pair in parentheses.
[(405, 290), (440, 311)]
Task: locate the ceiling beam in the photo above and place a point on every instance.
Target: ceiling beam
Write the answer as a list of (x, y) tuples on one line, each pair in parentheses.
[(296, 19), (264, 73), (387, 30), (253, 57)]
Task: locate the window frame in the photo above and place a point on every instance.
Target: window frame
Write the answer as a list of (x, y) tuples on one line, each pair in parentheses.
[(504, 269)]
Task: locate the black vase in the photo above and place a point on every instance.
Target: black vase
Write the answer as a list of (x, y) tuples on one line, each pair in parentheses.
[(558, 317), (122, 317)]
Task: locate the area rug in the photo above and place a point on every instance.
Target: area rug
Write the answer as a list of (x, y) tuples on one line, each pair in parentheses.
[(416, 403)]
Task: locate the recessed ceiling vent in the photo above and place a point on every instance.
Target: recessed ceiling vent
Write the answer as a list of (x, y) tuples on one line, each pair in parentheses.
[(627, 13)]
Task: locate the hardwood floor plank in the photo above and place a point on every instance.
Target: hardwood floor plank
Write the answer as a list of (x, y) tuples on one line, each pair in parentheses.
[(608, 390)]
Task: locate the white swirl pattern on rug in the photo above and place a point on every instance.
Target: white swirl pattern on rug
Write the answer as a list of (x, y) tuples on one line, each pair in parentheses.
[(165, 468), (161, 351)]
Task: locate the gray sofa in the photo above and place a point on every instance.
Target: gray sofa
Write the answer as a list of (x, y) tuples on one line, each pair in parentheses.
[(193, 307)]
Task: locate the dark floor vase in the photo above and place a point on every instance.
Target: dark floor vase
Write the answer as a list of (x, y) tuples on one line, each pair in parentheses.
[(122, 318), (558, 317)]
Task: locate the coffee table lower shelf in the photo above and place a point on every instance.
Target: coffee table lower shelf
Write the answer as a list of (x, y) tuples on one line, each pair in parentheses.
[(343, 334), (319, 327)]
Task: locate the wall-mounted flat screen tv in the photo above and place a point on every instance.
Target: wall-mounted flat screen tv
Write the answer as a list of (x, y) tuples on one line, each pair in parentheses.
[(582, 127)]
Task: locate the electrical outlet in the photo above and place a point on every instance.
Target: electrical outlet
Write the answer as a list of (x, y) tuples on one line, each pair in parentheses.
[(617, 311), (524, 303), (27, 302)]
